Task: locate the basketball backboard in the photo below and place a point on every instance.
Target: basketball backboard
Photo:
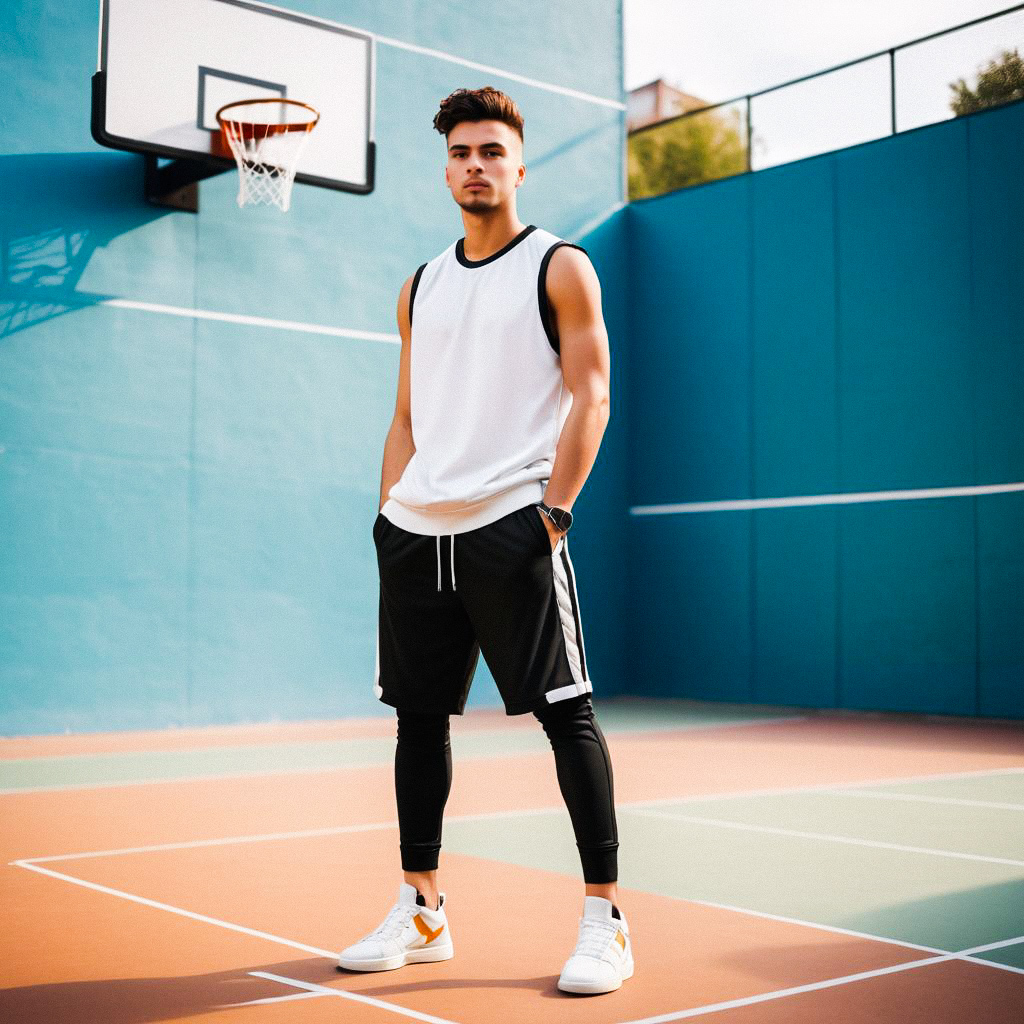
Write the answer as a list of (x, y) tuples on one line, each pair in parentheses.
[(165, 68)]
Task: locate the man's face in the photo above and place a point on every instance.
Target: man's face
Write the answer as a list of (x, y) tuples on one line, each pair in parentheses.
[(485, 164)]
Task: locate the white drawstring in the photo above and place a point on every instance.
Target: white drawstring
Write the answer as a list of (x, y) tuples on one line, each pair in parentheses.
[(451, 537)]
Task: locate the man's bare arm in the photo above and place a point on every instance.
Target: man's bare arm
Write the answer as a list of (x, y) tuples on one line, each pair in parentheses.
[(399, 447), (574, 293)]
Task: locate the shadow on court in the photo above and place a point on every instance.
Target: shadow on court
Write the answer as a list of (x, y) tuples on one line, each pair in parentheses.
[(146, 1000)]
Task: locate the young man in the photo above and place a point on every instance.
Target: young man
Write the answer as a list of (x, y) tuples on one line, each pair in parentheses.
[(503, 399)]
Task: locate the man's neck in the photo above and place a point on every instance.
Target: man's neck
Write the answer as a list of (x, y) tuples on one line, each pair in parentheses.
[(486, 235)]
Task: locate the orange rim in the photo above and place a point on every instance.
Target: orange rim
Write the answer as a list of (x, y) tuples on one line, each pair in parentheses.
[(255, 129)]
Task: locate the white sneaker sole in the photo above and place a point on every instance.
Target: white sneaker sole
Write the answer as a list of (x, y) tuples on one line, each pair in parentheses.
[(595, 988), (424, 955)]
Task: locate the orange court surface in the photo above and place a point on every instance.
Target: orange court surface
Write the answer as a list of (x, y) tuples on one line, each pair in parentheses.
[(776, 865)]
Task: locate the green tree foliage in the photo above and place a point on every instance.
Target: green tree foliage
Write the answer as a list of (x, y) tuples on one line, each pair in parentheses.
[(686, 151), (1002, 81)]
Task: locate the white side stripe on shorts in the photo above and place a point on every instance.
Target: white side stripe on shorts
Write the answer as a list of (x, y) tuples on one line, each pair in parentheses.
[(568, 612)]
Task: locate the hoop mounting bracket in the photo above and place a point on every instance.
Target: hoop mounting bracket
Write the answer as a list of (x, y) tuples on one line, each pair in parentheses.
[(176, 184)]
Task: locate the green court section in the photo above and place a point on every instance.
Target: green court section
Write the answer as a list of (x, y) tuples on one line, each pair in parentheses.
[(1012, 955), (999, 787), (956, 828), (322, 755), (945, 902)]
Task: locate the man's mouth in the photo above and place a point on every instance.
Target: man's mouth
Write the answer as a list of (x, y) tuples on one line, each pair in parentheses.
[(476, 184)]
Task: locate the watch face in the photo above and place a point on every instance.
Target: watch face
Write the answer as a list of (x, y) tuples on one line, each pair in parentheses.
[(563, 518)]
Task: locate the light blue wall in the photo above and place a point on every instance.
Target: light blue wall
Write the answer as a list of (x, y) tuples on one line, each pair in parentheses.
[(847, 323), (185, 503)]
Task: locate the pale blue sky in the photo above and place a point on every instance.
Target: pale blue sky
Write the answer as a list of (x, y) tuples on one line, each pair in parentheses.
[(719, 49)]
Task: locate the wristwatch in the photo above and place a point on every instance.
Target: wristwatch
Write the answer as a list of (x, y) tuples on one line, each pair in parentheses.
[(561, 517)]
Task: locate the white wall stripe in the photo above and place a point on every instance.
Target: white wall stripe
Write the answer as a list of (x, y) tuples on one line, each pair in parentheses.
[(740, 504), (451, 58), (595, 222), (250, 321), (510, 75), (824, 836), (302, 327)]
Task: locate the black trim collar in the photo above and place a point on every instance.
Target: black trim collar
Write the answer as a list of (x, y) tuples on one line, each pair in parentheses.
[(460, 249)]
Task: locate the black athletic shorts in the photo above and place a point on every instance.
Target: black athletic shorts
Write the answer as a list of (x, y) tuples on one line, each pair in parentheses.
[(498, 589)]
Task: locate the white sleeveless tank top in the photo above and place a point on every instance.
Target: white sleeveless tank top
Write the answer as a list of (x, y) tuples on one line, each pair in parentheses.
[(487, 398)]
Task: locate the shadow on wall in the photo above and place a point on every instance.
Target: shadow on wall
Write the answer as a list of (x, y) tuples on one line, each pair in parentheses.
[(59, 208)]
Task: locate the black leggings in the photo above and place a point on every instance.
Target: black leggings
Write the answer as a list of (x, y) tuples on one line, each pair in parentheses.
[(423, 780)]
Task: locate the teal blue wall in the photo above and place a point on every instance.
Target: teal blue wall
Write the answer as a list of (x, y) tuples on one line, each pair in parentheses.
[(847, 323), (185, 503)]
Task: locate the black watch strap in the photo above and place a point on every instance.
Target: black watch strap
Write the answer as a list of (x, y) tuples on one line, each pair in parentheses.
[(561, 517)]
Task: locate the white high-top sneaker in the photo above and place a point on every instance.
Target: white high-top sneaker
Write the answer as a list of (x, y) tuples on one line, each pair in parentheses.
[(410, 934), (603, 958)]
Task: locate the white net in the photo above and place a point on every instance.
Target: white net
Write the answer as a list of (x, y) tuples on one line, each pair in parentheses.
[(267, 150)]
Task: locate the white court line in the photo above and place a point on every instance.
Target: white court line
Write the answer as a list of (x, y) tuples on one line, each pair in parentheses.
[(274, 999), (511, 76), (817, 926), (70, 787), (196, 844), (556, 809), (742, 504), (705, 903), (106, 890), (324, 990), (967, 954), (955, 801), (700, 1011), (331, 954), (327, 769), (825, 787), (826, 837)]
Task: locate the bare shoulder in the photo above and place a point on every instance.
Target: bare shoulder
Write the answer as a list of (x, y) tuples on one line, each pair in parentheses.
[(403, 304), (571, 279), (570, 262)]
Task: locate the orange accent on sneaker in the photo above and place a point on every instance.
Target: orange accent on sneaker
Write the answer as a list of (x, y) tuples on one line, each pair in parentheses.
[(425, 930), (621, 940)]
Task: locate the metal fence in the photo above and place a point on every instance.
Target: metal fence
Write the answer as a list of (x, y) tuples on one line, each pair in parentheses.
[(891, 91)]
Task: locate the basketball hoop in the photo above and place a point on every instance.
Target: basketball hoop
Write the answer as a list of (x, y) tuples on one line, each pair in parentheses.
[(267, 137)]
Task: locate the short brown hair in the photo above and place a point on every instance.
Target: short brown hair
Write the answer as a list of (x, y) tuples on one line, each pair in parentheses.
[(486, 104)]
